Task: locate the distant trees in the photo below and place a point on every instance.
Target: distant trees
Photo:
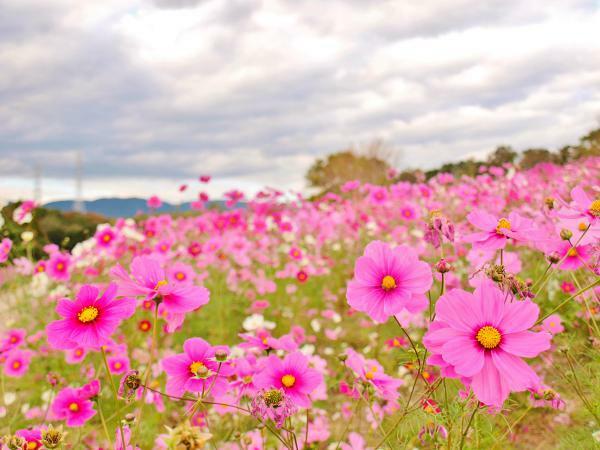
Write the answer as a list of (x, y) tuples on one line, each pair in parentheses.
[(373, 164), (368, 164)]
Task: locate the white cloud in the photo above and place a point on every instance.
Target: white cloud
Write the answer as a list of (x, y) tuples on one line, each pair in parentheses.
[(157, 92)]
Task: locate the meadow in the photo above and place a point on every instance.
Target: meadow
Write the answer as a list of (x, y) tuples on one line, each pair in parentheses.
[(453, 313)]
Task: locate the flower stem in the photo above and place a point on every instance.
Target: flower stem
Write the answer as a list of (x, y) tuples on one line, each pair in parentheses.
[(579, 292)]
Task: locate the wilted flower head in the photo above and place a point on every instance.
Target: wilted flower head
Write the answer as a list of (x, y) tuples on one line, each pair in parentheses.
[(272, 404), (52, 437), (129, 384)]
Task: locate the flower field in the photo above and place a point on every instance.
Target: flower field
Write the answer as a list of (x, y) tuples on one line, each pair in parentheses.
[(452, 313)]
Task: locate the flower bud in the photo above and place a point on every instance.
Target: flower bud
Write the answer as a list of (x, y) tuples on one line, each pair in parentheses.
[(553, 257), (565, 234), (442, 266), (549, 202), (221, 355), (15, 442), (342, 357)]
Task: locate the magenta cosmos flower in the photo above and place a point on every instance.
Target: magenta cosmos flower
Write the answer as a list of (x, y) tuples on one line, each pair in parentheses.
[(196, 370), (74, 406), (481, 338), (292, 375), (497, 232), (17, 363), (89, 321), (388, 280), (582, 206), (148, 279), (5, 246)]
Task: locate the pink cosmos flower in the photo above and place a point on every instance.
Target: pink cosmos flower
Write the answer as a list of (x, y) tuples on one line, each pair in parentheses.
[(582, 205), (292, 375), (497, 232), (14, 338), (154, 202), (204, 178), (105, 237), (553, 324), (574, 257), (481, 338), (89, 321), (5, 246), (23, 213), (17, 363), (196, 369), (371, 372), (150, 280), (58, 266), (74, 406), (388, 280), (32, 436)]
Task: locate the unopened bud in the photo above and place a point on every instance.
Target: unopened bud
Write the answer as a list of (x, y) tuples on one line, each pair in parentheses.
[(565, 234), (442, 266), (221, 355), (342, 357), (553, 258), (549, 202)]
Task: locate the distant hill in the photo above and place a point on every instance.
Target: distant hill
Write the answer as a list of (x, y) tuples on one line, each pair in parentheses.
[(124, 207)]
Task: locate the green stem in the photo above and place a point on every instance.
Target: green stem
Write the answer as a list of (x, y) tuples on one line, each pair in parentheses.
[(579, 292), (464, 435)]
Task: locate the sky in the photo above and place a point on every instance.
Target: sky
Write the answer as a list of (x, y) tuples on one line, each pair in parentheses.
[(154, 93)]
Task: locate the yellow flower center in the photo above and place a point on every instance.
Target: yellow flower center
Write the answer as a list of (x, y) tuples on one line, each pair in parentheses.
[(161, 283), (60, 267), (503, 224), (196, 367), (118, 365), (106, 238), (288, 380), (595, 208), (582, 226), (247, 379), (16, 365), (74, 407), (489, 337), (87, 314), (180, 276), (572, 252), (388, 283), (32, 445)]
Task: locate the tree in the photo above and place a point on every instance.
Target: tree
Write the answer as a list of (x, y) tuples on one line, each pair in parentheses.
[(502, 155), (534, 156), (368, 166)]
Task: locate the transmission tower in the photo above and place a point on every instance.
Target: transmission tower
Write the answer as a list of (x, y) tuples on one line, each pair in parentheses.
[(78, 204)]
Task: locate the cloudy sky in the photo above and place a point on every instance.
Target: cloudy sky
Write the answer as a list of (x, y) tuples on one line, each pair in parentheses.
[(156, 92)]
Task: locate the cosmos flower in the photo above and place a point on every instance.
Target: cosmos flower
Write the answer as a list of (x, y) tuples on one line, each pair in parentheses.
[(74, 406), (5, 246), (58, 266), (371, 372), (154, 202), (89, 321), (388, 280), (582, 205), (293, 375), (17, 363), (196, 369), (149, 279), (481, 338), (496, 232), (105, 237)]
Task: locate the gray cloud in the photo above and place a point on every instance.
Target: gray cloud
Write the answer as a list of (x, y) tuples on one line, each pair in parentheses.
[(254, 91)]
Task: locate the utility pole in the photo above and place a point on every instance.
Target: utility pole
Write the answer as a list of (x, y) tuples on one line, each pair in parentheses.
[(78, 204)]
